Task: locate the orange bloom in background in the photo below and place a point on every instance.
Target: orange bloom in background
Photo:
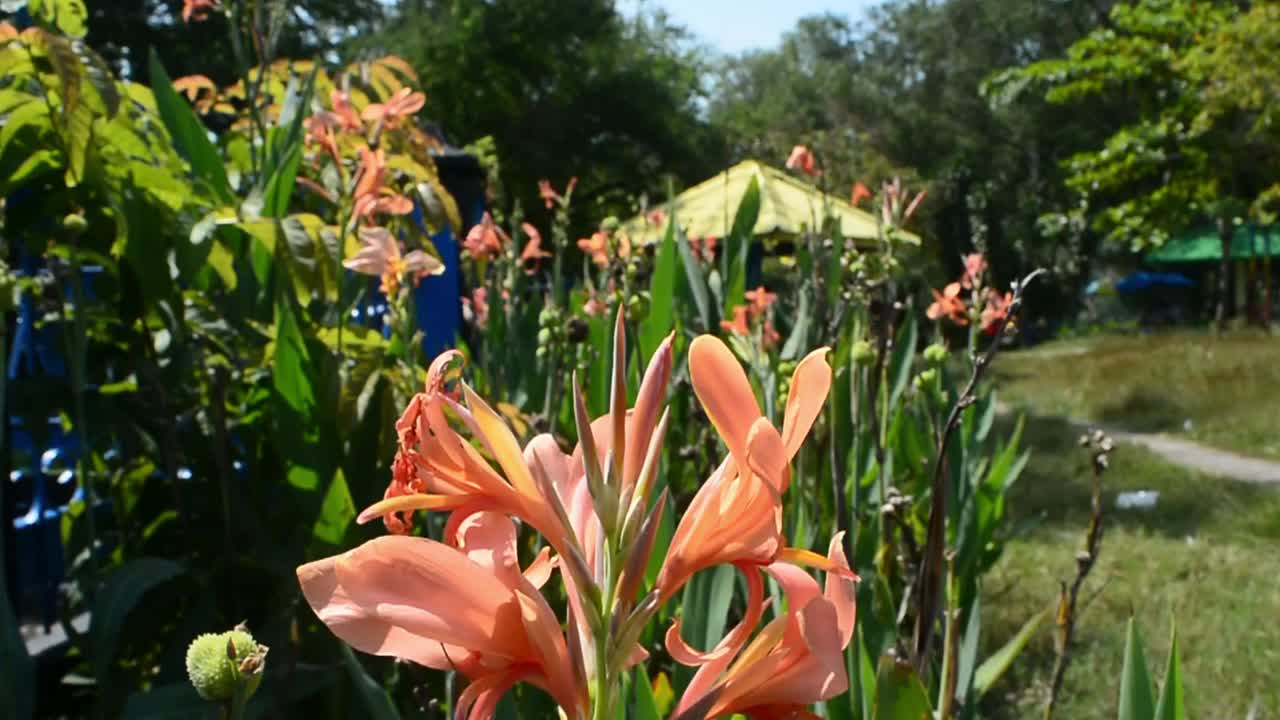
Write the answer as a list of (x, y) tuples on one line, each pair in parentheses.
[(403, 103), (199, 89), (995, 310), (948, 304), (736, 516), (656, 217), (343, 112), (370, 197), (738, 325), (379, 255), (548, 194), (703, 248), (975, 264), (860, 193), (320, 132), (759, 301), (594, 305), (477, 307), (197, 10), (486, 240), (597, 246), (769, 336), (802, 159), (794, 661), (532, 254), (464, 606)]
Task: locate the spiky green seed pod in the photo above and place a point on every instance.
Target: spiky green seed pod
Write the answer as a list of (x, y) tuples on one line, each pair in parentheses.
[(218, 662)]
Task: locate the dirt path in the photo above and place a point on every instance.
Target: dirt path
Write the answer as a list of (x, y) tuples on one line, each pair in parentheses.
[(1203, 458), (1192, 456)]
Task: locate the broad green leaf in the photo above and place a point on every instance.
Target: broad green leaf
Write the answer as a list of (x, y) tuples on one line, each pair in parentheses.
[(694, 281), (336, 512), (991, 669), (967, 659), (900, 362), (117, 598), (662, 290), (291, 367), (899, 693), (644, 704), (31, 116), (69, 17), (189, 135), (280, 185), (719, 598), (1136, 701), (1171, 705), (222, 263), (376, 702), (733, 263), (798, 340)]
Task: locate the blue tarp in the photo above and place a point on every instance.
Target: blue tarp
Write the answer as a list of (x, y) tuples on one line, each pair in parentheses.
[(1140, 281)]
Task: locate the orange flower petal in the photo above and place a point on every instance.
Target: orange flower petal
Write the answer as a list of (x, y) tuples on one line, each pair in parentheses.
[(722, 387), (810, 384)]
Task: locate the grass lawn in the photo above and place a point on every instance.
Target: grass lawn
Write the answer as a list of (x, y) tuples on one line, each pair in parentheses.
[(1228, 388), (1205, 555)]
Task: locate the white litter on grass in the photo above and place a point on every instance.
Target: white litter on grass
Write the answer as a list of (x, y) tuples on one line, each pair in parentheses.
[(1140, 499)]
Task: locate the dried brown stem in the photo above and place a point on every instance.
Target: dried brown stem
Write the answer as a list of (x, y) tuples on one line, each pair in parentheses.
[(1085, 561)]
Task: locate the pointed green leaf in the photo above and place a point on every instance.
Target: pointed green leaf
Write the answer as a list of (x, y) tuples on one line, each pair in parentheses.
[(733, 263), (1171, 706), (189, 135), (1136, 701), (377, 703), (899, 693), (900, 360), (644, 704), (662, 290), (694, 282), (336, 512), (117, 598), (290, 374), (991, 669)]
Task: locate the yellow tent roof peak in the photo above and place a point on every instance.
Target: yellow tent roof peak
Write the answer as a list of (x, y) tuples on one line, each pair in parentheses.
[(787, 205)]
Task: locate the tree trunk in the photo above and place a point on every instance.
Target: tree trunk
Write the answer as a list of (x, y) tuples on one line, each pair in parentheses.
[(1225, 230)]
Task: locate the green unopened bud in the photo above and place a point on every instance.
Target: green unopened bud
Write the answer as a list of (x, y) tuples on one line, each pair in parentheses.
[(637, 308), (219, 663), (935, 354), (786, 367), (863, 353), (926, 378), (75, 224), (610, 224), (544, 336), (550, 315)]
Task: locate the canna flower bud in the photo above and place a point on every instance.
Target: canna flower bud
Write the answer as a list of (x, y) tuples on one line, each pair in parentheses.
[(936, 354), (863, 353), (218, 663), (75, 224)]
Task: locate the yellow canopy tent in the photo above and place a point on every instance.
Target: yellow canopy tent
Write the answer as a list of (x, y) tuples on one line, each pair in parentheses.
[(788, 205)]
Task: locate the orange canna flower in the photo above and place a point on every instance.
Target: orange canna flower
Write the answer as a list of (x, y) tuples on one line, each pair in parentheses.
[(860, 193), (802, 159), (597, 246), (656, 217), (403, 103), (343, 113), (380, 255), (759, 301), (594, 305), (738, 325), (796, 660), (463, 606), (320, 132), (486, 240), (769, 336), (975, 264), (532, 254), (198, 10), (948, 304), (548, 194), (703, 248), (370, 197), (736, 516), (995, 310)]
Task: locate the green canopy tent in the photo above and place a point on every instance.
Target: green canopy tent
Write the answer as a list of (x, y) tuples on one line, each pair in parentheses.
[(1202, 245), (1249, 245)]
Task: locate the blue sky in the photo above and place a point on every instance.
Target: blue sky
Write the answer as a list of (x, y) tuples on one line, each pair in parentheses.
[(732, 26)]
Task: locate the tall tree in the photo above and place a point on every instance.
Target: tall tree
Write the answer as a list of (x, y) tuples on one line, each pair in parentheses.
[(568, 88), (900, 94), (1180, 158)]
